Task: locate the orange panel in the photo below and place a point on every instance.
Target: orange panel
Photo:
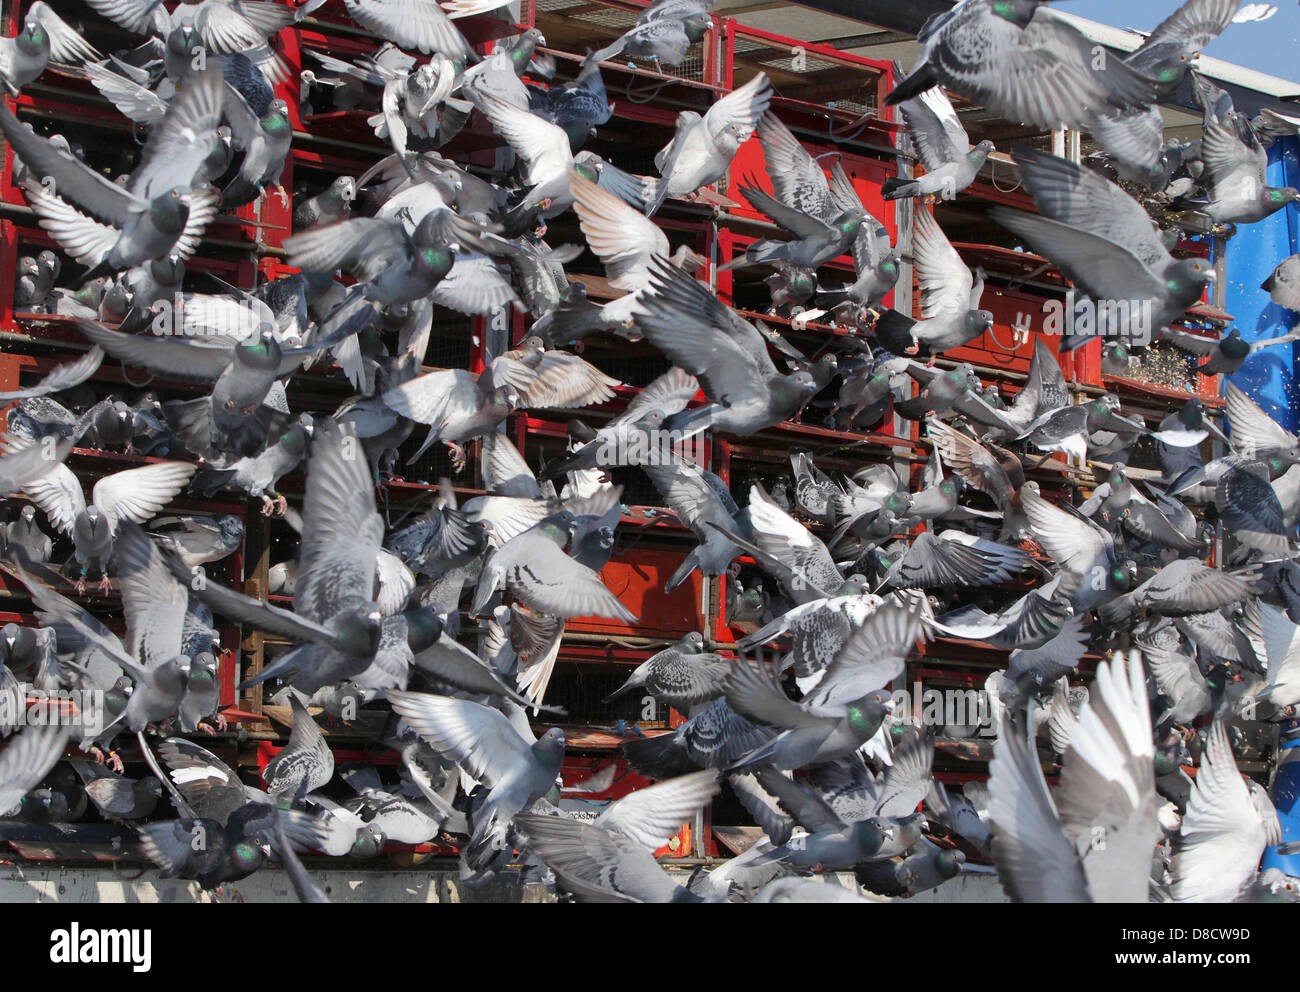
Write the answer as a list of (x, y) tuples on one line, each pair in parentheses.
[(638, 581)]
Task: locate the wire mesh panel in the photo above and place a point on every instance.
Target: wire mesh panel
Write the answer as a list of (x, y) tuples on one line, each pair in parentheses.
[(843, 84)]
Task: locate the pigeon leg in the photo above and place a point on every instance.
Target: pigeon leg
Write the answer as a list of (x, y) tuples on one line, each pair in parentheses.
[(913, 348), (207, 728), (104, 587), (283, 196), (457, 457), (115, 762), (96, 753), (268, 505), (222, 722)]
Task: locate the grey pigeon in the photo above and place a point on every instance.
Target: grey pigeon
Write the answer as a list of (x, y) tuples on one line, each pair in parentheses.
[(1284, 284), (681, 676), (158, 210), (43, 38), (305, 763), (1023, 62), (695, 330), (257, 476), (534, 569), (663, 32), (1107, 799), (950, 298), (951, 165), (133, 496), (703, 147), (1104, 240), (25, 537), (803, 738), (490, 750)]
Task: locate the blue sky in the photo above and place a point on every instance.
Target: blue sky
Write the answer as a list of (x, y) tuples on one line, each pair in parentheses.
[(1271, 46)]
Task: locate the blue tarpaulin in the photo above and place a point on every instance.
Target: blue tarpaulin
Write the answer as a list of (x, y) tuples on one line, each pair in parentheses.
[(1269, 377)]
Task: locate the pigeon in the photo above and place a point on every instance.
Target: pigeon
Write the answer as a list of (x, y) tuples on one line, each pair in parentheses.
[(26, 760), (663, 32), (950, 298), (257, 476), (1226, 355), (1235, 163), (951, 164), (1284, 284), (44, 38), (803, 737), (1134, 137), (1224, 833), (534, 569), (303, 765), (147, 218), (117, 797), (23, 537), (681, 676), (1104, 241), (729, 357), (817, 240), (703, 147), (490, 750), (198, 540), (1106, 804), (134, 496), (1022, 61)]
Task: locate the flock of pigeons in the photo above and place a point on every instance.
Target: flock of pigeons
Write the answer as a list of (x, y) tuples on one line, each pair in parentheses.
[(857, 568)]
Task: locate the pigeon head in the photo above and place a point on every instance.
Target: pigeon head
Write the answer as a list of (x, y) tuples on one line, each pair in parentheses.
[(359, 631), (33, 40), (692, 643), (423, 628), (1123, 575), (1192, 413), (558, 526), (295, 440), (696, 25), (27, 266), (854, 585), (368, 843), (549, 749), (1234, 346), (948, 863), (1188, 277), (866, 715), (978, 321), (1018, 12), (1280, 197), (183, 40), (28, 514), (231, 528), (170, 212), (868, 837), (1278, 462), (276, 119), (345, 188)]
